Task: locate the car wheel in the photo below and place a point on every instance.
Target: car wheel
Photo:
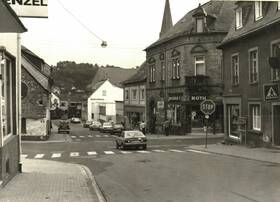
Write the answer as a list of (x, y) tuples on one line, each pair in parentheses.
[(144, 147)]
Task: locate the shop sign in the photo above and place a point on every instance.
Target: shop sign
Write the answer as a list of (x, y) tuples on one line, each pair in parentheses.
[(30, 8), (198, 98), (175, 98), (271, 91), (160, 104)]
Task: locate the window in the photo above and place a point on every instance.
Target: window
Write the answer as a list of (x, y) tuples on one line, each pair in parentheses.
[(238, 18), (104, 93), (163, 71), (199, 25), (232, 119), (152, 73), (278, 7), (275, 53), (258, 10), (253, 66), (102, 110), (235, 69), (134, 94), (142, 94), (255, 116), (126, 94), (176, 68), (199, 65)]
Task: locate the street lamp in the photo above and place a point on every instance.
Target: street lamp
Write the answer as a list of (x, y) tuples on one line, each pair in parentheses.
[(104, 44)]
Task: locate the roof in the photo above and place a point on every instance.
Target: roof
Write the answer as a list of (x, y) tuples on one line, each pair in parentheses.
[(97, 85), (167, 19), (9, 21), (35, 73), (139, 76), (271, 16), (219, 12)]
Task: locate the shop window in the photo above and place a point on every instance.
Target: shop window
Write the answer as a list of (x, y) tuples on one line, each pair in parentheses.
[(199, 25), (238, 18), (163, 71), (176, 68), (253, 66), (235, 69), (23, 125), (258, 10), (275, 48), (152, 70), (255, 116), (200, 68), (173, 113), (232, 119)]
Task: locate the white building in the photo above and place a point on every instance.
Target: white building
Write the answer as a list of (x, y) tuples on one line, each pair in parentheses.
[(102, 104)]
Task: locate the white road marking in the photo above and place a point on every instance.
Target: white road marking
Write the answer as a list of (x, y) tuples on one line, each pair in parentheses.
[(73, 154), (81, 136), (106, 135), (39, 156), (97, 135), (109, 152), (90, 136), (92, 153), (197, 151), (176, 150), (144, 152), (158, 150), (56, 155), (24, 156), (126, 152), (74, 137)]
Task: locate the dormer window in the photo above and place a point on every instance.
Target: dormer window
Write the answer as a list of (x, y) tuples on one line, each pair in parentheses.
[(238, 18), (258, 10), (199, 25)]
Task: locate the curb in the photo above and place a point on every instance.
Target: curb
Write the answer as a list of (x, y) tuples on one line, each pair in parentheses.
[(94, 185), (232, 155)]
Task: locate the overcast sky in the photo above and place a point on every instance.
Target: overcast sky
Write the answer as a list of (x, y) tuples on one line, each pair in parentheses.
[(128, 26)]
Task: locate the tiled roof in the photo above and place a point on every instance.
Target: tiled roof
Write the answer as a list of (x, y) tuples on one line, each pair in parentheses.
[(139, 76), (35, 73), (220, 11), (271, 16)]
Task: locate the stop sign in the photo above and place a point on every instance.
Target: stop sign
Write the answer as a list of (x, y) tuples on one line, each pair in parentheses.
[(207, 107)]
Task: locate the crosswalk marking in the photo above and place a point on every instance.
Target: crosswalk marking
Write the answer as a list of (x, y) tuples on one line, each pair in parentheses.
[(92, 153), (90, 136), (126, 152), (97, 135), (143, 152), (109, 152), (106, 135), (39, 156), (74, 137), (159, 150), (24, 156), (56, 155), (73, 154), (81, 136), (176, 150), (197, 151)]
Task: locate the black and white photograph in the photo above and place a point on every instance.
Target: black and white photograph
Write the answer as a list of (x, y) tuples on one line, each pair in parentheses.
[(139, 101)]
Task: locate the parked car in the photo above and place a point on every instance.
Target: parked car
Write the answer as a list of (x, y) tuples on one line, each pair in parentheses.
[(87, 124), (106, 127), (95, 125), (117, 128), (131, 138), (75, 120), (63, 126)]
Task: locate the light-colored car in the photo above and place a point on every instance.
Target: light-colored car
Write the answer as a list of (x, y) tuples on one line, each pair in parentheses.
[(75, 120), (95, 125), (87, 124), (131, 138), (106, 127)]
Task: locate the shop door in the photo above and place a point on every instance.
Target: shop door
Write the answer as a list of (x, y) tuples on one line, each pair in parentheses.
[(276, 124)]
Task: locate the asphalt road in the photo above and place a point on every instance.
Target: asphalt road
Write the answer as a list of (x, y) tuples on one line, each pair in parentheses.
[(167, 172)]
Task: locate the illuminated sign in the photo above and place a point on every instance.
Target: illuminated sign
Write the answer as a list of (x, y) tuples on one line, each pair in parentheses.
[(30, 8)]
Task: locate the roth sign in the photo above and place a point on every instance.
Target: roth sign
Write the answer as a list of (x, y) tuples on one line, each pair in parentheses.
[(208, 107), (30, 8)]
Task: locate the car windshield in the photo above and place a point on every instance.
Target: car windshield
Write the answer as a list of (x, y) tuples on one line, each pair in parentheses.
[(131, 134), (107, 124), (118, 125)]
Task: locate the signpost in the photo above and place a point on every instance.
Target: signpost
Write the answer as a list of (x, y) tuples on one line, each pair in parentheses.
[(207, 107)]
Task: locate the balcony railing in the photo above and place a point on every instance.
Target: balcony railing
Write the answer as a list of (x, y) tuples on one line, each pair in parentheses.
[(196, 81)]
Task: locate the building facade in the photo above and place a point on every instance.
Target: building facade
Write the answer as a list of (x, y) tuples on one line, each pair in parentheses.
[(135, 98), (36, 97), (251, 75), (184, 68), (10, 64)]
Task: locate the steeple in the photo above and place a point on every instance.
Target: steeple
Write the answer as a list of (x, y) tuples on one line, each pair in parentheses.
[(167, 19)]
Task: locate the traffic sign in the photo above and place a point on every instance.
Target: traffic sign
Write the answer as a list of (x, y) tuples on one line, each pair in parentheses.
[(208, 107)]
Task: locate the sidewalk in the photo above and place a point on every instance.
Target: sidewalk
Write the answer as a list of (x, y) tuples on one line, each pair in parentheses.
[(241, 151), (43, 180), (187, 136)]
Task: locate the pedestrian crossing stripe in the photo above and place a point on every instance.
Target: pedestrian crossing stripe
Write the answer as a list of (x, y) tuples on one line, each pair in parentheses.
[(126, 152), (197, 151), (81, 136), (39, 156), (73, 154), (143, 152), (56, 155), (175, 150), (158, 150), (92, 153), (73, 137), (109, 152)]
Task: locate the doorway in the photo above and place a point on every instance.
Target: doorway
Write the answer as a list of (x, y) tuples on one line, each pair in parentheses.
[(276, 124)]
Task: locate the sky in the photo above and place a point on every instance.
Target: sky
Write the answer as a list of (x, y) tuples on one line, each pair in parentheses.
[(128, 27)]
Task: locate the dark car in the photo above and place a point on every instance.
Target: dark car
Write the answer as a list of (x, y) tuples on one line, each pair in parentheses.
[(87, 124), (131, 138), (117, 128), (63, 126)]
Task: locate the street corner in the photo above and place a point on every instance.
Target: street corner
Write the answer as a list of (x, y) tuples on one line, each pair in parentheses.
[(95, 189)]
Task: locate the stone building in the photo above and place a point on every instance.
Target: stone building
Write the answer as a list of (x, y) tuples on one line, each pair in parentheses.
[(184, 68), (251, 53)]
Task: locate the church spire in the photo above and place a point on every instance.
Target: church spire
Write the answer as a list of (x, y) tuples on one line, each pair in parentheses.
[(167, 19)]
